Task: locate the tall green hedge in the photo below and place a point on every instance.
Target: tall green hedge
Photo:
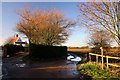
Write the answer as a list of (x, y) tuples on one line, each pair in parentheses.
[(12, 49), (43, 51)]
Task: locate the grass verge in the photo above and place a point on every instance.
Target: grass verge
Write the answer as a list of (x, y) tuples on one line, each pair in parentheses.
[(94, 70)]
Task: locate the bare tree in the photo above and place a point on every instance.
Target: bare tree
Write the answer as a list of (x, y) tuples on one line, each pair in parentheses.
[(100, 38), (44, 27), (104, 15)]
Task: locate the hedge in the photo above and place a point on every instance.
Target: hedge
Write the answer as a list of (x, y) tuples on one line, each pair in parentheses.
[(12, 49), (46, 52)]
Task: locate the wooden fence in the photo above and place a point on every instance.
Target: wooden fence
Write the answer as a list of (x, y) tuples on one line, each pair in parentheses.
[(107, 59)]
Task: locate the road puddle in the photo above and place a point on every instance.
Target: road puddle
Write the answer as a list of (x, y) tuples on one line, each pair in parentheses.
[(21, 65)]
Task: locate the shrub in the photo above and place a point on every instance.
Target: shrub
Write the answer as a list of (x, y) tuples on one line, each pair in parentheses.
[(96, 50), (43, 51), (114, 72), (12, 49)]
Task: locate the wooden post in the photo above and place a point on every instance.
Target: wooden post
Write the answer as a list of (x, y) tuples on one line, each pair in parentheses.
[(89, 58), (102, 55), (107, 61), (96, 58)]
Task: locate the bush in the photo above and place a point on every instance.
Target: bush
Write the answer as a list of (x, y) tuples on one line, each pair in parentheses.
[(43, 51), (96, 50), (12, 49)]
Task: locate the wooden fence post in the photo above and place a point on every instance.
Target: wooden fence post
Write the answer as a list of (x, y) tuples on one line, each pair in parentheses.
[(107, 61), (89, 58), (96, 58), (102, 55)]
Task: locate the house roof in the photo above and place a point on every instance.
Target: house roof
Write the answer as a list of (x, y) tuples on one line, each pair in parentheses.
[(16, 40), (12, 41)]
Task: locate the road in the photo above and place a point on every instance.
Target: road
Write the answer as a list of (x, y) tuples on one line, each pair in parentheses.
[(15, 68)]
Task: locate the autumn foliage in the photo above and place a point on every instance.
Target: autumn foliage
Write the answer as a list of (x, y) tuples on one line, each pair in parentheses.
[(46, 27)]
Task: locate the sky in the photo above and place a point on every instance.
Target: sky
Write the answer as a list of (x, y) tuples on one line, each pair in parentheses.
[(0, 23), (9, 8), (78, 36)]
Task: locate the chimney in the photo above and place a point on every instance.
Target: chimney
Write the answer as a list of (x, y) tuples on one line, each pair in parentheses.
[(16, 35)]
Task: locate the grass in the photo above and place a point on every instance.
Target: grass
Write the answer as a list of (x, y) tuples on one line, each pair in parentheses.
[(94, 70)]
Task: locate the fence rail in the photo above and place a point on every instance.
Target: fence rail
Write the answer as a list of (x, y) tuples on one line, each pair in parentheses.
[(107, 59)]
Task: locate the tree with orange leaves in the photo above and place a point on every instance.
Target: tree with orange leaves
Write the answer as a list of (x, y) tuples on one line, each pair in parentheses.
[(48, 27)]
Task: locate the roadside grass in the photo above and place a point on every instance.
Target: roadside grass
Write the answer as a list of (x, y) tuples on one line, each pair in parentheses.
[(94, 70), (114, 72)]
